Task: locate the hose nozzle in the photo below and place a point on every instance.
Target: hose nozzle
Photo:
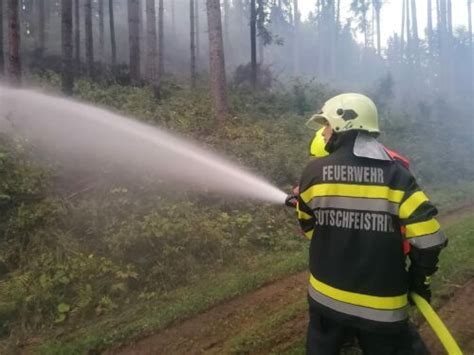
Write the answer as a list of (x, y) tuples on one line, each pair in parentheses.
[(291, 201)]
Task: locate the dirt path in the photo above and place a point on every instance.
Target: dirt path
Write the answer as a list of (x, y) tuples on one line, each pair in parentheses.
[(458, 315), (208, 332)]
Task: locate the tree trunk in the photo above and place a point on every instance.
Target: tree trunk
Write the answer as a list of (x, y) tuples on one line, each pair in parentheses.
[(173, 20), (141, 36), (14, 63), (402, 35), (444, 47), (430, 27), (408, 31), (439, 25), (226, 22), (113, 44), (161, 40), (77, 36), (253, 43), (377, 7), (442, 30), (366, 27), (134, 40), (66, 43), (198, 39), (450, 19), (469, 28), (216, 60), (2, 60), (296, 47), (40, 36), (334, 41), (152, 56), (415, 39), (14, 68), (471, 49), (101, 31), (192, 36), (260, 29), (89, 37)]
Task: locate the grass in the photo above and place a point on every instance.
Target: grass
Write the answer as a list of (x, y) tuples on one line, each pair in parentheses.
[(448, 197), (156, 314), (457, 260), (457, 265), (263, 333)]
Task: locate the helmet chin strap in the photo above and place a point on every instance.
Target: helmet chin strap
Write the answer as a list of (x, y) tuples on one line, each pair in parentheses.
[(337, 140)]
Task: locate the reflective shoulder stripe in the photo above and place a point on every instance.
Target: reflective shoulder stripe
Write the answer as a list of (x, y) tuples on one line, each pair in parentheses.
[(378, 315), (428, 241), (352, 190), (309, 234), (422, 228), (411, 204), (354, 203), (359, 299)]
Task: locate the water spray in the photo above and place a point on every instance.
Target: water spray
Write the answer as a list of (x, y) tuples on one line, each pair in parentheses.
[(81, 131)]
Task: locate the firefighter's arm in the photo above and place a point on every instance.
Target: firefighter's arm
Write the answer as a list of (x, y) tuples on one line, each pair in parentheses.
[(425, 236), (305, 217)]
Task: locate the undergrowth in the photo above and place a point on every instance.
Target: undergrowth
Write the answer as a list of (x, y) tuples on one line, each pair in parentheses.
[(79, 246)]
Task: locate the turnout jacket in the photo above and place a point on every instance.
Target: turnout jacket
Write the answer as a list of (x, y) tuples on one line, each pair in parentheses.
[(354, 209)]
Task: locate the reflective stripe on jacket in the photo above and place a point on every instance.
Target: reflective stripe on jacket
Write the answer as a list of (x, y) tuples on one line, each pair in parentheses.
[(355, 208)]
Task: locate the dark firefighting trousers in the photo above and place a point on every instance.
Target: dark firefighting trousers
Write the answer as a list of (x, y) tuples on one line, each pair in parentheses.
[(328, 337)]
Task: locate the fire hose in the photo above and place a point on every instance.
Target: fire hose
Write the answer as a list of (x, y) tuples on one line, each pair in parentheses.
[(423, 306), (436, 324)]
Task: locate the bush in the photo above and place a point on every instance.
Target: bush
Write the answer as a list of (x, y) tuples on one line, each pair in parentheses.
[(69, 253)]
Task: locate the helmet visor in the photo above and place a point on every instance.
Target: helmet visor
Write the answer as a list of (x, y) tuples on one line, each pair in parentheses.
[(316, 121)]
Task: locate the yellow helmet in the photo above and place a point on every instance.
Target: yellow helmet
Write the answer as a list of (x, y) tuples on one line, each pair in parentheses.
[(347, 112), (318, 145)]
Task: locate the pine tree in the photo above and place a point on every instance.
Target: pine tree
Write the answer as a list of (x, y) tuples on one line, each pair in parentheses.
[(152, 54), (430, 26), (66, 43), (360, 9), (402, 32), (113, 43), (469, 26), (161, 40), (41, 29), (192, 35), (198, 34), (471, 49), (296, 49), (450, 18), (89, 37), (217, 60), (134, 41), (77, 36), (253, 43), (2, 62), (377, 5), (14, 61), (415, 40), (101, 31)]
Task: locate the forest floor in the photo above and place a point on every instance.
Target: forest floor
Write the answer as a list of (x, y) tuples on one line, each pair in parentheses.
[(273, 319)]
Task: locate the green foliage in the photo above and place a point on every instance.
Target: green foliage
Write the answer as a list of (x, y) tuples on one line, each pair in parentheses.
[(57, 286), (73, 253)]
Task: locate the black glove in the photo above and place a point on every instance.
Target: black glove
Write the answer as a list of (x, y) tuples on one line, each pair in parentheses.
[(420, 283), (291, 201)]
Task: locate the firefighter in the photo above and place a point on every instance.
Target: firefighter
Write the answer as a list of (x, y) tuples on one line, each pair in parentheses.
[(353, 204)]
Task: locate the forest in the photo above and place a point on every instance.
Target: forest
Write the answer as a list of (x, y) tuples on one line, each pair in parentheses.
[(94, 256)]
